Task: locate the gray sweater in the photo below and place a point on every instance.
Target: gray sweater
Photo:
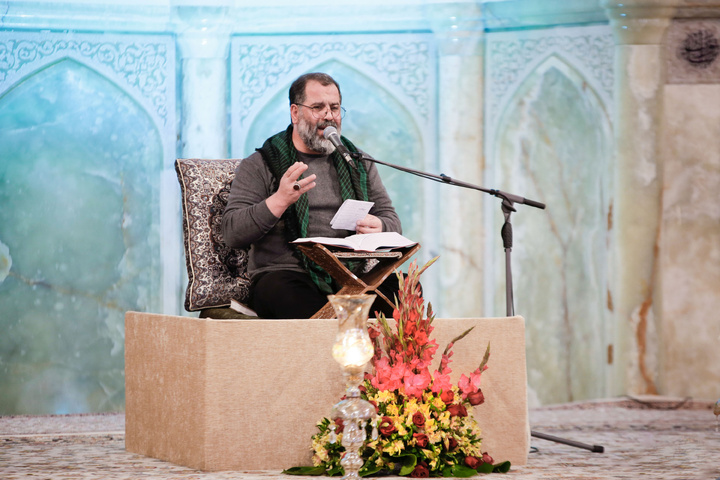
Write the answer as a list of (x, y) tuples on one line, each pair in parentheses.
[(247, 220)]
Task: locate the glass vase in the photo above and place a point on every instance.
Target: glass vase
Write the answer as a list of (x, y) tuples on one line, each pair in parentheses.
[(352, 350)]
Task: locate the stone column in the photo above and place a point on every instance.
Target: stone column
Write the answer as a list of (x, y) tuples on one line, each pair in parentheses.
[(204, 40), (460, 87), (639, 27)]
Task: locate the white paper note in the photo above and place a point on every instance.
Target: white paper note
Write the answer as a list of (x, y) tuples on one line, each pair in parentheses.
[(349, 213)]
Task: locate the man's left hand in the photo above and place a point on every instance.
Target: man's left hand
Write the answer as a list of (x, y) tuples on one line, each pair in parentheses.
[(369, 224)]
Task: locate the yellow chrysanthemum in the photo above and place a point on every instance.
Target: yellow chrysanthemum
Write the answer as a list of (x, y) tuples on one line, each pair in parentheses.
[(393, 410)]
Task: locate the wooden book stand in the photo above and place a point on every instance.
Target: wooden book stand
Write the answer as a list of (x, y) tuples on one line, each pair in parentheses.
[(330, 261)]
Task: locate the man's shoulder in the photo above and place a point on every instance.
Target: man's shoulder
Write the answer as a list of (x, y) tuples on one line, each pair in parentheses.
[(252, 162)]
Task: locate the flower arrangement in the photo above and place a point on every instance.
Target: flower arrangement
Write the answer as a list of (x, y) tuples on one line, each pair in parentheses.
[(422, 427)]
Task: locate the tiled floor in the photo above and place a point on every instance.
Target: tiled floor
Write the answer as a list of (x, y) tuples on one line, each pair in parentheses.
[(656, 438)]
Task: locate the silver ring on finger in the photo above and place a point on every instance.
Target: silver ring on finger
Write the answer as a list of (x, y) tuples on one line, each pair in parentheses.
[(296, 186)]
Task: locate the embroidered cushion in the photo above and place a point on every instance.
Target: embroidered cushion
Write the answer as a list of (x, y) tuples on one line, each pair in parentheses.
[(216, 272)]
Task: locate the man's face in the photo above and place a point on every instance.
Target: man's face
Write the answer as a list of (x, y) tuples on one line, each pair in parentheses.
[(311, 118)]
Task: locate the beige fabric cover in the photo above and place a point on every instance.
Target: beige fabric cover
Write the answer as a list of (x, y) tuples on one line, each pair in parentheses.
[(246, 394)]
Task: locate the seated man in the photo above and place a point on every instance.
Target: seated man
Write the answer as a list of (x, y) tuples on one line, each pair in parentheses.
[(291, 188)]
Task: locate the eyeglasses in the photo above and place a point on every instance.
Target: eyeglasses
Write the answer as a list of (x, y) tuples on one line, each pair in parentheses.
[(319, 111)]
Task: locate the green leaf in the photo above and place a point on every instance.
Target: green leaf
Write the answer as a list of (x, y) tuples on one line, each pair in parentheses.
[(408, 463), (368, 470), (315, 471), (503, 467), (336, 470), (485, 468), (461, 471)]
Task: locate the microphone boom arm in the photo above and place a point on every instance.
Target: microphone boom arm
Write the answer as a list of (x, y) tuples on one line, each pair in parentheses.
[(508, 198)]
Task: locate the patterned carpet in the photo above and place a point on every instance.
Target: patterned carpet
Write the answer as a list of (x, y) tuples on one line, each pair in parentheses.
[(650, 437)]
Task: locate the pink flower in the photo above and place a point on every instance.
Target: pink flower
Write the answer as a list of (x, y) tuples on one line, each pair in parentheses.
[(441, 382), (421, 338), (415, 384), (464, 384), (387, 377)]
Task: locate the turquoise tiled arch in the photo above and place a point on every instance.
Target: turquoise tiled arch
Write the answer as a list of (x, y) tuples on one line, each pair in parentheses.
[(79, 172)]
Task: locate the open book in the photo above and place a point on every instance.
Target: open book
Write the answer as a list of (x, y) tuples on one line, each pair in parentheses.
[(367, 242)]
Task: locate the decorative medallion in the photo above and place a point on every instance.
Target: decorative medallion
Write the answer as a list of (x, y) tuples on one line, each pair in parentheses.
[(692, 48), (700, 48)]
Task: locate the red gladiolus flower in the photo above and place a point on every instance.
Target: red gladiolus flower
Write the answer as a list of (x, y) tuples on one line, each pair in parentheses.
[(421, 439), (410, 329), (421, 471), (472, 462)]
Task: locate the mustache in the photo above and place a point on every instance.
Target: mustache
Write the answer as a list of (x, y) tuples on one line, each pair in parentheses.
[(327, 123)]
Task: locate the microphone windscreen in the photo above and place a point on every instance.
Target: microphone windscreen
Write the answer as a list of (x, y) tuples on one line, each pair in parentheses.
[(329, 131)]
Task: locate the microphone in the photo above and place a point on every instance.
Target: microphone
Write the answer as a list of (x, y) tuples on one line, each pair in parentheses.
[(330, 133)]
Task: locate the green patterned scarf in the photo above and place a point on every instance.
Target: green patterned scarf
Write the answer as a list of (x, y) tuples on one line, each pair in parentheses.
[(279, 154)]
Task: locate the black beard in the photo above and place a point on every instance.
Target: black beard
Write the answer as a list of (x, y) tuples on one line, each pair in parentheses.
[(308, 134)]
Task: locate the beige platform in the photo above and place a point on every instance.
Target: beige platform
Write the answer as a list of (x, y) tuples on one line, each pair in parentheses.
[(246, 394)]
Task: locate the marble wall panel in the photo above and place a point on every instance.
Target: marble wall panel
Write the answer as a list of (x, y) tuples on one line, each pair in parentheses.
[(689, 247), (83, 124), (548, 117)]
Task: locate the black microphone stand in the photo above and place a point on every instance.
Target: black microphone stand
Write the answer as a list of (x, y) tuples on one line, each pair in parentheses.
[(507, 206)]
